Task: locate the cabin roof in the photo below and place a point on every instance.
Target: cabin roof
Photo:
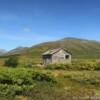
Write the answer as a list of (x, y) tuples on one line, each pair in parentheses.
[(53, 51)]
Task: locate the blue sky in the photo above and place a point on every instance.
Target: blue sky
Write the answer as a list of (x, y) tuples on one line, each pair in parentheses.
[(29, 22)]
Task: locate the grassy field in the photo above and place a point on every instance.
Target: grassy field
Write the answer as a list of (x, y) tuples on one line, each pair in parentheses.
[(31, 81), (45, 84), (81, 79)]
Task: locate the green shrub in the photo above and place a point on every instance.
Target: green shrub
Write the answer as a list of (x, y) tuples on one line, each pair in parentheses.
[(97, 66), (6, 92), (85, 64), (89, 65), (22, 77), (12, 61), (43, 77), (59, 66), (18, 81), (85, 79)]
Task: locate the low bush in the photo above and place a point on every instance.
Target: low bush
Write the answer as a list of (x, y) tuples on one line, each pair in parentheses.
[(84, 66), (59, 66), (97, 66), (17, 81), (44, 77), (11, 61), (75, 66), (85, 79)]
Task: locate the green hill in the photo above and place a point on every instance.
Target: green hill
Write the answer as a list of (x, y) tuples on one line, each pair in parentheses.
[(79, 48)]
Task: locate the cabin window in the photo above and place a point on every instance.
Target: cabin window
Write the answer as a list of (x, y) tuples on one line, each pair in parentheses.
[(67, 56)]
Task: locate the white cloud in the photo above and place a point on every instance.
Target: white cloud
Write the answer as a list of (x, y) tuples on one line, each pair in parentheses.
[(27, 29)]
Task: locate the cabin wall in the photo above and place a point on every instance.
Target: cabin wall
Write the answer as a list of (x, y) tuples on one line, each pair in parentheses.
[(60, 57)]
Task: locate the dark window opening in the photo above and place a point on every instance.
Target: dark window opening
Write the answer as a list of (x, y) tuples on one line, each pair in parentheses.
[(67, 56)]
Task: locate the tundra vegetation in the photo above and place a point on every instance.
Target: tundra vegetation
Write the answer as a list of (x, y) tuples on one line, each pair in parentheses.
[(30, 81)]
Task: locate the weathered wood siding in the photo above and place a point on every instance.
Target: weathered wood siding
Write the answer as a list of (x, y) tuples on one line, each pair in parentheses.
[(60, 57)]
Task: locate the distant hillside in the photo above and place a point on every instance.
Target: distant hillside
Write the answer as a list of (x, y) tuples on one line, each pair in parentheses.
[(2, 51), (18, 50), (79, 48)]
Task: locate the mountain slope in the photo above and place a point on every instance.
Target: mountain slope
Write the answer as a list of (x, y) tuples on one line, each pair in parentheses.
[(2, 51), (16, 51), (79, 48)]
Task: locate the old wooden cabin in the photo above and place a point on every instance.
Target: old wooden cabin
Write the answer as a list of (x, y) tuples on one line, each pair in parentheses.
[(56, 56)]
